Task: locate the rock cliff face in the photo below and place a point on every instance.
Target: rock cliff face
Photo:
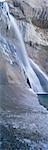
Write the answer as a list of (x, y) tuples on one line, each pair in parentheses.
[(32, 19), (37, 12), (40, 17)]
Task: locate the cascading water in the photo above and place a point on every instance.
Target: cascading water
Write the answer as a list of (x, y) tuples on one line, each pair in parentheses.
[(41, 75), (29, 73), (32, 79)]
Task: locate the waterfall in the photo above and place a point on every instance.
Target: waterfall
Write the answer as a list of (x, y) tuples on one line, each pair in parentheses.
[(32, 78), (29, 73), (43, 78)]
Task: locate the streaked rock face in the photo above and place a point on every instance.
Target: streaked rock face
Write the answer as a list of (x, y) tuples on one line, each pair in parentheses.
[(38, 11), (40, 17)]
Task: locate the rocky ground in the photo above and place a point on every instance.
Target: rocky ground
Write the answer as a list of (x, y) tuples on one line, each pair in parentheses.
[(23, 121)]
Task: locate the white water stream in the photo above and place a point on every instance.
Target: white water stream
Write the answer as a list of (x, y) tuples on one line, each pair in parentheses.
[(22, 55), (30, 74)]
